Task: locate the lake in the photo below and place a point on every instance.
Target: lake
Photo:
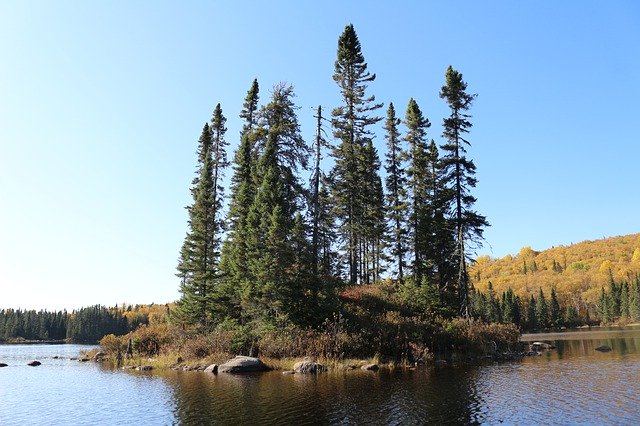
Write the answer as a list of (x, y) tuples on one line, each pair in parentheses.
[(571, 384)]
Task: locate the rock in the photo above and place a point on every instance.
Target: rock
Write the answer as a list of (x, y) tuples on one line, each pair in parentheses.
[(56, 357), (144, 368), (538, 346), (603, 348), (370, 367), (213, 368), (34, 363), (179, 360), (84, 359), (2, 364), (99, 357), (242, 364), (308, 367)]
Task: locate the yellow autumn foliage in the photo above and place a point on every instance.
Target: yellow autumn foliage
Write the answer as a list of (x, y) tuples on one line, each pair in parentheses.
[(577, 272)]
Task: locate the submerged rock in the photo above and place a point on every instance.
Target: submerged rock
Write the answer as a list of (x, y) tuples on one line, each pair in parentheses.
[(603, 348), (370, 367), (213, 368), (34, 363), (242, 364), (308, 367)]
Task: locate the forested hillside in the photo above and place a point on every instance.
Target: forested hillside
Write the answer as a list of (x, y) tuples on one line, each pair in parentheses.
[(580, 273)]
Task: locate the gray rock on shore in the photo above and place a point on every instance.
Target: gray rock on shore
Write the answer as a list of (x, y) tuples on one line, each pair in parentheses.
[(213, 368), (242, 364), (308, 367)]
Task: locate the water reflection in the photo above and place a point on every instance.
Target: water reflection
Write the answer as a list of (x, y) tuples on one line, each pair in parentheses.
[(572, 384)]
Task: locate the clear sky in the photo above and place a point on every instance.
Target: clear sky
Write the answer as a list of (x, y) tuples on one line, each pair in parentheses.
[(102, 103)]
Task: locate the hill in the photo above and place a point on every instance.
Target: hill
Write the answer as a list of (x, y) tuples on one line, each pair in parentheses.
[(577, 272)]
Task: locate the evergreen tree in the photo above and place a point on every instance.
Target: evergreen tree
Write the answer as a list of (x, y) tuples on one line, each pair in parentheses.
[(532, 323), (199, 256), (625, 306), (555, 317), (243, 188), (396, 191), (420, 187), (354, 167), (542, 311), (270, 294), (460, 175)]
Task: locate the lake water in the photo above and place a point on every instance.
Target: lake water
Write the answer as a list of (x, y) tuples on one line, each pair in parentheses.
[(573, 384)]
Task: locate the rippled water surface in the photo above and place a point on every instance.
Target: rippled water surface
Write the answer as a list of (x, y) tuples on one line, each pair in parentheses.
[(573, 384)]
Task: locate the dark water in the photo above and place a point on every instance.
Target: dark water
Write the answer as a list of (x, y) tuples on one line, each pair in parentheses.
[(573, 384)]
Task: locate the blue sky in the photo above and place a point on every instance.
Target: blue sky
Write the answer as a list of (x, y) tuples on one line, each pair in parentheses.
[(102, 103)]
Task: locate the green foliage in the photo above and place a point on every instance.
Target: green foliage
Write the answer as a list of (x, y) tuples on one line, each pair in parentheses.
[(459, 176), (357, 188)]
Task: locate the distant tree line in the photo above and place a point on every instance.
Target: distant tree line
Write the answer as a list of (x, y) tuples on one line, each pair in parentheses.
[(285, 248), (619, 303), (86, 325)]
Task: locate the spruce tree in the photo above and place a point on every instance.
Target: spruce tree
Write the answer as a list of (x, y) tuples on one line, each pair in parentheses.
[(396, 191), (354, 168), (198, 266), (419, 186), (555, 317), (460, 176), (542, 311), (242, 192), (270, 295)]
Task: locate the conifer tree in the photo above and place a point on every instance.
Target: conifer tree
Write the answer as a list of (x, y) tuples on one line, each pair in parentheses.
[(419, 185), (354, 168), (396, 190), (554, 310), (542, 311), (460, 176), (270, 294), (242, 192), (198, 266), (532, 322)]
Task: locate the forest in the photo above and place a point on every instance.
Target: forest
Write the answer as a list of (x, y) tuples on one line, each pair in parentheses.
[(591, 282), (85, 325)]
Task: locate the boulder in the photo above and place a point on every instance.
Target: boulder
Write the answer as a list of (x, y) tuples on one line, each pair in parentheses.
[(242, 364), (308, 367), (370, 367), (2, 364), (213, 368), (603, 348), (34, 363)]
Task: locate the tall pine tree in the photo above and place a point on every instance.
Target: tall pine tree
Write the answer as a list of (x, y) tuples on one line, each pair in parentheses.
[(355, 174), (460, 176), (396, 191), (198, 266)]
